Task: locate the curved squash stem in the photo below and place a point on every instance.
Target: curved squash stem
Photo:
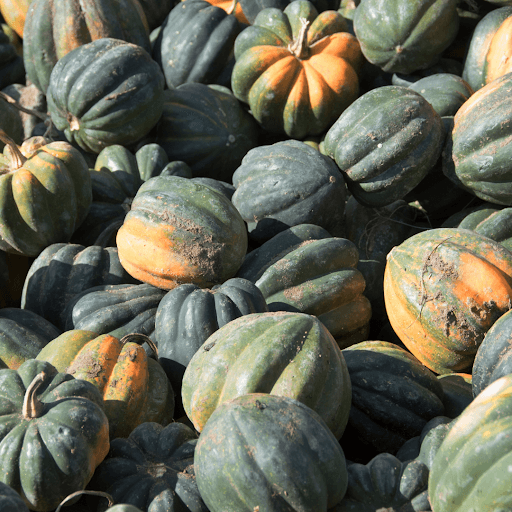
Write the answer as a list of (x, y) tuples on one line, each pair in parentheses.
[(12, 101), (91, 493), (138, 338), (17, 159), (32, 406), (299, 47)]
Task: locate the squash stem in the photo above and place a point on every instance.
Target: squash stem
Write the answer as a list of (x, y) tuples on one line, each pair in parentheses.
[(140, 339), (299, 47), (16, 158), (32, 406)]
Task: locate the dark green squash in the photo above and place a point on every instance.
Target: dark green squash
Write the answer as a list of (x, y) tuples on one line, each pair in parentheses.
[(195, 44), (152, 469), (12, 69), (105, 92), (10, 500), (53, 29), (62, 271), (268, 452), (444, 91), (470, 469), (206, 127), (493, 358), (386, 483), (285, 184), (178, 338), (290, 354), (54, 433), (115, 309), (477, 156), (394, 396), (415, 38), (385, 143), (22, 336)]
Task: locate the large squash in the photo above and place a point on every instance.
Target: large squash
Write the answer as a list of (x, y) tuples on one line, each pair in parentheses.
[(179, 231), (287, 354), (54, 28), (105, 92), (444, 289), (296, 69), (45, 193), (54, 433)]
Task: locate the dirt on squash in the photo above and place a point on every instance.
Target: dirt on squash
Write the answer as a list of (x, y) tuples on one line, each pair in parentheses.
[(85, 362)]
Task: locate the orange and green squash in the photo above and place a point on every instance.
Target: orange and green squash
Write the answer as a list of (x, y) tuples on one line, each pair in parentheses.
[(297, 69), (444, 289)]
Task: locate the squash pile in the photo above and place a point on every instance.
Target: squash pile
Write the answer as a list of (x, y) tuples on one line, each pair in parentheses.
[(255, 256)]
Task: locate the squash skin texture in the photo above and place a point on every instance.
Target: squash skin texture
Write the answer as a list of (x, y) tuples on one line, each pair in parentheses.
[(268, 451), (385, 143), (444, 289), (286, 354), (402, 37), (301, 93), (179, 231), (54, 28), (46, 458), (105, 92), (470, 468), (44, 200), (477, 154), (488, 54)]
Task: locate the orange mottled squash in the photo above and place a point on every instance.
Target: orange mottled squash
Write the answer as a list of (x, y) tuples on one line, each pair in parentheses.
[(134, 387), (297, 69), (444, 289), (181, 231)]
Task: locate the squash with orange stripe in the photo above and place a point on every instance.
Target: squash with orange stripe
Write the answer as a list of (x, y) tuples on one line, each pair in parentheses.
[(134, 387), (297, 69), (444, 289)]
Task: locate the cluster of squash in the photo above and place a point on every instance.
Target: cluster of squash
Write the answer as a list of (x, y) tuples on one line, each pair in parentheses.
[(255, 256)]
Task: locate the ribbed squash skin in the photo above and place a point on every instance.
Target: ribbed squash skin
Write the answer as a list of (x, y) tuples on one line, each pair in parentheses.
[(385, 483), (385, 143), (477, 156), (206, 127), (134, 387), (488, 54), (54, 28), (45, 199), (14, 13), (288, 354), (22, 336), (105, 92), (470, 469), (10, 500), (115, 309), (493, 358), (179, 231), (444, 289), (270, 452), (62, 271), (394, 396), (402, 37), (196, 43), (188, 315), (444, 91), (47, 457), (288, 183), (251, 8), (161, 462), (296, 83)]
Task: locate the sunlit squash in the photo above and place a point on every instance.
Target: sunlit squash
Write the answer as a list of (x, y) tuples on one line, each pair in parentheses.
[(296, 69), (444, 289)]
